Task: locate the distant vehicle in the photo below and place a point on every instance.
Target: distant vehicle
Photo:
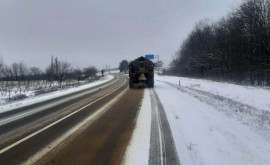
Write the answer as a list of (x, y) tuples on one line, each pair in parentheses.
[(141, 73)]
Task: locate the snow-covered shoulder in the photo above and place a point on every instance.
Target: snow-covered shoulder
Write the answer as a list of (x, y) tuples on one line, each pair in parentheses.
[(138, 150), (212, 130), (51, 95), (253, 96)]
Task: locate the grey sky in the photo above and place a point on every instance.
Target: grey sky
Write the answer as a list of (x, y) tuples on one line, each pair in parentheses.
[(99, 32)]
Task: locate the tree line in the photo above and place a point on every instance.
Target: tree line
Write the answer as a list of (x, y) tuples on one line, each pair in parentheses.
[(17, 78), (58, 70), (235, 48)]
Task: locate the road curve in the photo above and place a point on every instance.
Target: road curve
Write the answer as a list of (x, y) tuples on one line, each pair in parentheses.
[(27, 137)]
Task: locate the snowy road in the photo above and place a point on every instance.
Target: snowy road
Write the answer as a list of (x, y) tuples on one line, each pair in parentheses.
[(39, 106), (98, 122), (210, 129), (198, 122)]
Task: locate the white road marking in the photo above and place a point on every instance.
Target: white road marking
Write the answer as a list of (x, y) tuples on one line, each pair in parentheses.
[(88, 120), (28, 113), (54, 123)]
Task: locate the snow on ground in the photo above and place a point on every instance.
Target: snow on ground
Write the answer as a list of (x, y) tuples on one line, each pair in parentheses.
[(14, 89), (115, 71), (253, 96), (138, 150), (47, 96), (209, 129)]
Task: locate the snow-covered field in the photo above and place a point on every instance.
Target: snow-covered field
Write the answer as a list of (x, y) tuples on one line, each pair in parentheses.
[(217, 123), (34, 99), (253, 96)]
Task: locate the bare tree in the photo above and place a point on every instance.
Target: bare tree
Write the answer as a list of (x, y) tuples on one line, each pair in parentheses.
[(78, 74), (90, 71), (35, 71), (17, 78), (23, 70), (62, 69), (1, 66), (123, 66), (15, 70)]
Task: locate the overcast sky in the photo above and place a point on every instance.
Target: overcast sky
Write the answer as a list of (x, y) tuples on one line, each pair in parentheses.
[(99, 32)]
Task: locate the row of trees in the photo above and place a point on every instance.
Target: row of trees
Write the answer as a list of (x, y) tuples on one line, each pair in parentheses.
[(56, 71), (17, 78), (235, 48)]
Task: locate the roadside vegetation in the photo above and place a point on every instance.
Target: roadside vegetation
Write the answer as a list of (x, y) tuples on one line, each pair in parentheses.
[(235, 48), (123, 66), (17, 81)]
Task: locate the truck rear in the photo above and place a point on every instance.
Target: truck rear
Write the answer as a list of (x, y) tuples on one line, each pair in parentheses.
[(141, 73)]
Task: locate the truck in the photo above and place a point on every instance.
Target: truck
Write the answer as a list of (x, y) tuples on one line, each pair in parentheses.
[(141, 73)]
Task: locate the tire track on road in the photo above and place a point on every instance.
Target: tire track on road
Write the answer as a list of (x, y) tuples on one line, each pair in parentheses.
[(162, 146)]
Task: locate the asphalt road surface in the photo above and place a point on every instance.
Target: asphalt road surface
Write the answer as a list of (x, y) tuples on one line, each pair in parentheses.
[(93, 126), (102, 118)]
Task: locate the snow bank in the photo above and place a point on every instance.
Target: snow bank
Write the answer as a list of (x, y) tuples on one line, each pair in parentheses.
[(205, 135), (138, 149), (47, 96), (253, 96)]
